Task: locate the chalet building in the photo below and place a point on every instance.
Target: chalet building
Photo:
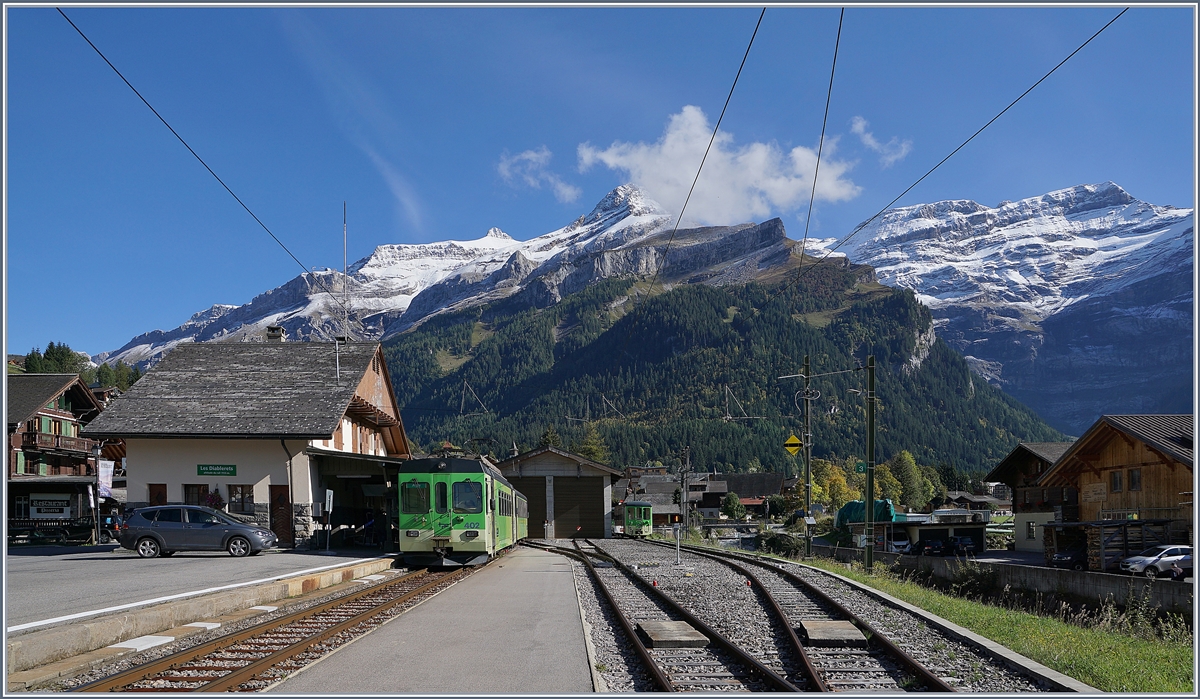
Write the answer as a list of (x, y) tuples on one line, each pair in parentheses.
[(568, 495), (1134, 477), (1035, 505), (50, 466), (267, 426)]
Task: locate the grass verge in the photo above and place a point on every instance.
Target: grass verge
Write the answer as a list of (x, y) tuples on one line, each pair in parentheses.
[(1108, 661)]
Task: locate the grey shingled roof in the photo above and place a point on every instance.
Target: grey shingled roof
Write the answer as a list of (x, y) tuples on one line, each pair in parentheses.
[(240, 389), (1050, 451), (28, 393)]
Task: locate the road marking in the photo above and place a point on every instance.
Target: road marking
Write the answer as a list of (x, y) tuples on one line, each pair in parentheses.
[(143, 642), (183, 595)]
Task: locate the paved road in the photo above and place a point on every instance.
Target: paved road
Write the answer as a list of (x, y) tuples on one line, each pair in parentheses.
[(511, 628), (48, 582)]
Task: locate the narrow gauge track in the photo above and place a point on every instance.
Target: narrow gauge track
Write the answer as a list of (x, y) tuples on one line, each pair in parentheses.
[(881, 667), (721, 667), (959, 663), (259, 656)]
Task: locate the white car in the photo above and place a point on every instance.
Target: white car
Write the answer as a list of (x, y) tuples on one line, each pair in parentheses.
[(1155, 560), (899, 543)]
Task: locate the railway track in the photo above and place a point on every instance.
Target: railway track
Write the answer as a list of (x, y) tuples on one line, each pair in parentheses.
[(261, 655), (719, 666), (878, 666), (917, 645)]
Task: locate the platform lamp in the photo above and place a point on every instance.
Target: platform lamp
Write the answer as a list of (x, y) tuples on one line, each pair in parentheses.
[(97, 450)]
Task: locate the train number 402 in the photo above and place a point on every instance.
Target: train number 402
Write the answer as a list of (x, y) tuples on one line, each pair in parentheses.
[(471, 525)]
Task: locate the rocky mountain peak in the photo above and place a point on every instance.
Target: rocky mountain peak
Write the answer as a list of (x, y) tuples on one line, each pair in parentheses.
[(497, 233)]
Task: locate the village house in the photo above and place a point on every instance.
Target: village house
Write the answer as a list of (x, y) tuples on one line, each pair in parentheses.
[(263, 429), (52, 475), (1034, 505), (1134, 477)]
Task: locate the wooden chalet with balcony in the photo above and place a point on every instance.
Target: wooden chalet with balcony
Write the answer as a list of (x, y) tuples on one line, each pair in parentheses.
[(1034, 505), (50, 466), (1134, 477)]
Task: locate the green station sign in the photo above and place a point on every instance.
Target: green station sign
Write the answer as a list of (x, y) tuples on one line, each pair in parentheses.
[(216, 470)]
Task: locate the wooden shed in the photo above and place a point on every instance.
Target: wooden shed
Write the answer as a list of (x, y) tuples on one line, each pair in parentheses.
[(569, 495)]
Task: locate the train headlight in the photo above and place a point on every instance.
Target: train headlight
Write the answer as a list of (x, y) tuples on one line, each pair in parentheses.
[(470, 534), (413, 532)]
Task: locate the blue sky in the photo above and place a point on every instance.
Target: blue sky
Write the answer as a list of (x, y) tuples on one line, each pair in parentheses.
[(437, 124)]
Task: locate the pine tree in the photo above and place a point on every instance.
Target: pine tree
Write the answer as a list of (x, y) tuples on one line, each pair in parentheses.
[(592, 447), (550, 438)]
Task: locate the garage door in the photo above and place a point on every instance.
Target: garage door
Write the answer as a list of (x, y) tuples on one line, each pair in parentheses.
[(534, 489), (579, 507)]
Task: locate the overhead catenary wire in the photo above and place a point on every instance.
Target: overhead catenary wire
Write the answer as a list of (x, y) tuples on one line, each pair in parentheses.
[(670, 240), (887, 206), (196, 155)]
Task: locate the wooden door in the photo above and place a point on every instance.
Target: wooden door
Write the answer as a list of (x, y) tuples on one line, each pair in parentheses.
[(158, 493), (579, 507), (281, 515)]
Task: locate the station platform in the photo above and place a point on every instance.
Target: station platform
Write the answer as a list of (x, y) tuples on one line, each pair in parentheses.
[(510, 628)]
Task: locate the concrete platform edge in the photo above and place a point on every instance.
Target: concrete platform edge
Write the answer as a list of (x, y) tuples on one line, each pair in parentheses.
[(598, 683), (37, 648), (1013, 659)]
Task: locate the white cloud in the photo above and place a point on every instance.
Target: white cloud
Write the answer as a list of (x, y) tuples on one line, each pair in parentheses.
[(407, 201), (738, 183), (354, 103), (529, 167), (889, 153)]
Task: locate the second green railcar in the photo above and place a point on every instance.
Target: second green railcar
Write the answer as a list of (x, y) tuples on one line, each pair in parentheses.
[(456, 511), (639, 518)]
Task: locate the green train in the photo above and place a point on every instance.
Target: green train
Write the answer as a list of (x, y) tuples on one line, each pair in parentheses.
[(639, 518), (456, 512)]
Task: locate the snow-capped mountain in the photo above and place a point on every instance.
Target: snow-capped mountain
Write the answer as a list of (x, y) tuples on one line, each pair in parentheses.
[(399, 286), (1077, 302)]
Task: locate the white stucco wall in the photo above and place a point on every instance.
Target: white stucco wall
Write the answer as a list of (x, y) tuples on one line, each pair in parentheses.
[(259, 462), (1020, 527)]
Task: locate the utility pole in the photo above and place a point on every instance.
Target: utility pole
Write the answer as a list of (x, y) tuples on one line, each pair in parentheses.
[(869, 548), (808, 537)]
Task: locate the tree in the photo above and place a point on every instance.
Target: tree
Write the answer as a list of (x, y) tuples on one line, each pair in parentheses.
[(887, 486), (592, 447), (838, 491), (732, 506), (914, 487), (550, 438)]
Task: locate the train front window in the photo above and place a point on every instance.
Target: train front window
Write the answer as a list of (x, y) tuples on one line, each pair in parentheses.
[(468, 498), (439, 497), (414, 498)]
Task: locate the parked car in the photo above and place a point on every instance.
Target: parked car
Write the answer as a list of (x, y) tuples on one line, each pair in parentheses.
[(163, 530), (930, 547), (1074, 558), (1155, 560), (110, 528), (960, 545), (899, 543)]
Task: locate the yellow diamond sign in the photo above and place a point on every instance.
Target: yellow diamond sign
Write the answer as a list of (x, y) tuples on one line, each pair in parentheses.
[(793, 445)]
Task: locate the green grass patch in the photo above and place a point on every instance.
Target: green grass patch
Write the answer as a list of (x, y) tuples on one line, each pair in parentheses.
[(449, 361), (479, 333), (1108, 660)]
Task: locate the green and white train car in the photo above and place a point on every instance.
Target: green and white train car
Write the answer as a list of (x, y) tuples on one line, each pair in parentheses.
[(639, 518), (456, 511)]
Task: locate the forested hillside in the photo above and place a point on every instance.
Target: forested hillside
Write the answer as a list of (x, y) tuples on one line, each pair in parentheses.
[(652, 374)]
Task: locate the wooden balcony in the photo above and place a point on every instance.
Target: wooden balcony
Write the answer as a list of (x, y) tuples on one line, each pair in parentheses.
[(56, 442)]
